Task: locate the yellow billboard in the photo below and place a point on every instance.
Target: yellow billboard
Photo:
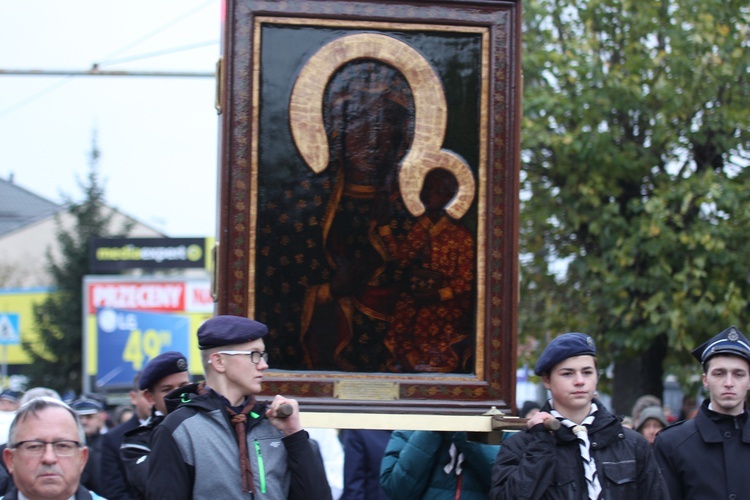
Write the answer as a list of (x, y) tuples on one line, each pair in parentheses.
[(17, 307)]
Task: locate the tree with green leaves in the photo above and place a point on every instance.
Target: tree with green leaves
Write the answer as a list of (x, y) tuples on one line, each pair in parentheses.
[(57, 352), (635, 196)]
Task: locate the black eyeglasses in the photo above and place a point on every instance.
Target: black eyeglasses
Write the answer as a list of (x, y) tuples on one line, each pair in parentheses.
[(255, 356), (36, 447)]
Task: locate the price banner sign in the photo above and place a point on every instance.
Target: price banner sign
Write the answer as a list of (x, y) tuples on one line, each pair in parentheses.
[(127, 340)]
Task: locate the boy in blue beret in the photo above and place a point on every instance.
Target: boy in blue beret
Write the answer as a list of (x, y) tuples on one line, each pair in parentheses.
[(126, 447), (163, 374), (218, 441), (707, 456), (591, 455)]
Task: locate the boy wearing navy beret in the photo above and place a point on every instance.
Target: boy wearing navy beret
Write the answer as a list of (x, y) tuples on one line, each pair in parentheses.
[(125, 448), (591, 455), (218, 441), (707, 456)]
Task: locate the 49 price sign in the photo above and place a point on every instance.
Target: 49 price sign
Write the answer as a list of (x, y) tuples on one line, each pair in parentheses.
[(127, 340)]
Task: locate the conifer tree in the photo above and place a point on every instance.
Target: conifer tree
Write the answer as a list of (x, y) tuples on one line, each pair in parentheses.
[(57, 353)]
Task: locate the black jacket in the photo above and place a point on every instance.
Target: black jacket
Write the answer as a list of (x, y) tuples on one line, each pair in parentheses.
[(91, 477), (134, 452), (706, 457), (6, 482), (114, 480), (363, 453), (536, 464)]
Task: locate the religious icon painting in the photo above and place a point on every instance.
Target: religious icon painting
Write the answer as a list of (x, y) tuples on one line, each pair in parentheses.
[(369, 185)]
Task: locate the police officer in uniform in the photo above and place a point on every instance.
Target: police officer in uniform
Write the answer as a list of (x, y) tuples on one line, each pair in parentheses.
[(708, 456), (91, 412)]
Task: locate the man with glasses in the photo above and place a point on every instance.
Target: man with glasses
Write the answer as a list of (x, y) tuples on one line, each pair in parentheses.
[(46, 452), (218, 441)]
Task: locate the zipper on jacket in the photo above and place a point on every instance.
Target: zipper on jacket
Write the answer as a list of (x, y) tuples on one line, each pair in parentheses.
[(261, 467)]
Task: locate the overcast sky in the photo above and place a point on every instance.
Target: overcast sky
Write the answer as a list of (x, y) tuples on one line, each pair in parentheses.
[(157, 136)]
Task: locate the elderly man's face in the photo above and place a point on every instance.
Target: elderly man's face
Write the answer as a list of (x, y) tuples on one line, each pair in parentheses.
[(47, 475)]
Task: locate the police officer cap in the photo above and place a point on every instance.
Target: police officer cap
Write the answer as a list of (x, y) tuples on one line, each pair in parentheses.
[(563, 347), (163, 365), (10, 395), (87, 406), (229, 330), (730, 341)]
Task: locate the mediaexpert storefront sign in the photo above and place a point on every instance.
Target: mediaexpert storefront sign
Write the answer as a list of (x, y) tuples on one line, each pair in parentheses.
[(108, 255)]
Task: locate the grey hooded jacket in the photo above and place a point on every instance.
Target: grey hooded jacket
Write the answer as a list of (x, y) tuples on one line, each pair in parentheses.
[(194, 454)]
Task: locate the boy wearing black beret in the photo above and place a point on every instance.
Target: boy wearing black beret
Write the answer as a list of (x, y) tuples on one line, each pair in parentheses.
[(591, 455), (161, 375), (218, 441), (707, 456)]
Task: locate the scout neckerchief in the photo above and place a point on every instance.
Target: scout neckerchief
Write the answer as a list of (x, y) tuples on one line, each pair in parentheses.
[(582, 433), (239, 418), (454, 464)]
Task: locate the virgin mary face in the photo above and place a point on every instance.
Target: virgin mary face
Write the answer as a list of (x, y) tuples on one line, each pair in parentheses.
[(371, 137), (369, 120)]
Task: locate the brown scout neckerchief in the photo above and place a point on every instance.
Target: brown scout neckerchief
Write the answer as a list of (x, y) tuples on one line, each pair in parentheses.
[(239, 420)]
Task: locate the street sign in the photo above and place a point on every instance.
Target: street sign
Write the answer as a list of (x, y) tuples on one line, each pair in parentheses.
[(9, 330)]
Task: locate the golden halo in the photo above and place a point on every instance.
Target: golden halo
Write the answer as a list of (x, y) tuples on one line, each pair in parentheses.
[(425, 154)]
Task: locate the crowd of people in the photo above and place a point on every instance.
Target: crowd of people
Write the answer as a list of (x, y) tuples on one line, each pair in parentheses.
[(213, 439)]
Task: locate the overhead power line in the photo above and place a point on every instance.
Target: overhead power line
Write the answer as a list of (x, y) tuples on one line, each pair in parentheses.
[(97, 72), (160, 29), (158, 53), (110, 60), (68, 74)]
